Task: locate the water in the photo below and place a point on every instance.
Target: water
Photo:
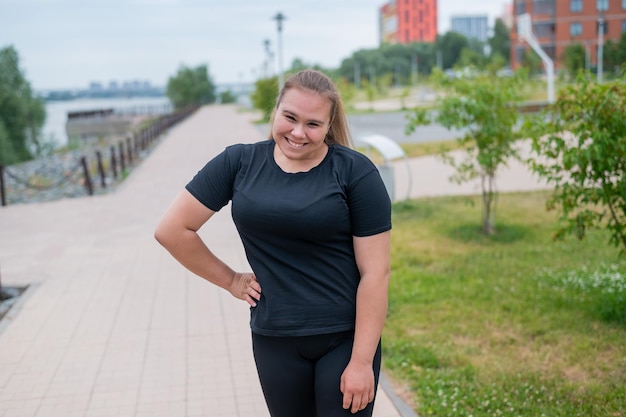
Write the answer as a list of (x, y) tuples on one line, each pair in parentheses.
[(56, 112)]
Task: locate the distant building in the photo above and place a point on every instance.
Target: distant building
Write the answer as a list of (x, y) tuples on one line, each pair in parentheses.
[(408, 21), (558, 24), (472, 27), (507, 15), (95, 86)]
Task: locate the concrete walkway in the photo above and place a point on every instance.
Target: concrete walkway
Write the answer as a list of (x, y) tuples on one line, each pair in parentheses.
[(429, 176), (111, 325)]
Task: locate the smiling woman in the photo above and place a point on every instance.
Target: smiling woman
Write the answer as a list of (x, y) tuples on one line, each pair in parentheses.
[(314, 218)]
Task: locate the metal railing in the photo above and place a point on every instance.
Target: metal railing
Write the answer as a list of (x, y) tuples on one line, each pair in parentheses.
[(81, 174)]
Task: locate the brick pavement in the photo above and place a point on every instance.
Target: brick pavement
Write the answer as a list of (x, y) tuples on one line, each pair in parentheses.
[(111, 325)]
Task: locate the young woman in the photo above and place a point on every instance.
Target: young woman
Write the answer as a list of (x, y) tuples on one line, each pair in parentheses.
[(315, 219)]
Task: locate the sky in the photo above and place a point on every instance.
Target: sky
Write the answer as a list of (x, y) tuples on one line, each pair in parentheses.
[(70, 43)]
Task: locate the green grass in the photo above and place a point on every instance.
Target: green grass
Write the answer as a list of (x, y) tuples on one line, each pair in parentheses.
[(414, 150), (514, 324)]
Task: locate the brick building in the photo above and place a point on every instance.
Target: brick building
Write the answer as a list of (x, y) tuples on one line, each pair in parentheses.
[(560, 23), (408, 21)]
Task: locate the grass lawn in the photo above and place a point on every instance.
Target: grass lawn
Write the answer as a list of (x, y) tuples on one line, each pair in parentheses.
[(514, 324)]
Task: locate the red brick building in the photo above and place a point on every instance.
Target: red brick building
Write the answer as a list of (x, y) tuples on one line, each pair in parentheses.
[(560, 23), (408, 21)]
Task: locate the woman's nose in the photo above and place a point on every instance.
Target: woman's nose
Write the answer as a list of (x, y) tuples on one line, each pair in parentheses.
[(298, 130)]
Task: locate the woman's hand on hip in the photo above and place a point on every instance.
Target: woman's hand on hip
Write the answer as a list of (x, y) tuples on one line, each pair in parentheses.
[(245, 287)]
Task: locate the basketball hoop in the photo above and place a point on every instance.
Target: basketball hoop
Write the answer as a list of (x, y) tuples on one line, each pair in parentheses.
[(524, 30), (525, 33)]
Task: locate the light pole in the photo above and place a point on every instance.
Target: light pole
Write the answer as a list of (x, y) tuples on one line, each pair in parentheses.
[(600, 46), (414, 68), (279, 21), (268, 58)]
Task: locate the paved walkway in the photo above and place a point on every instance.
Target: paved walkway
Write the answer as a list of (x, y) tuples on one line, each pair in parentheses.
[(429, 177), (111, 325)]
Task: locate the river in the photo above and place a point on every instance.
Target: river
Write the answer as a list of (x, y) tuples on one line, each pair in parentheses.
[(390, 124), (56, 112)]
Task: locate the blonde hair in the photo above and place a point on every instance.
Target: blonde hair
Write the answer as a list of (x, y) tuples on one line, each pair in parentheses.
[(320, 83)]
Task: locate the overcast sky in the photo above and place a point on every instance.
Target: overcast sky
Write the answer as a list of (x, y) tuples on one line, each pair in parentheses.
[(69, 43)]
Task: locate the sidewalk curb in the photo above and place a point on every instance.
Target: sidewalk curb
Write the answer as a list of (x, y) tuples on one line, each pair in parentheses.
[(403, 408)]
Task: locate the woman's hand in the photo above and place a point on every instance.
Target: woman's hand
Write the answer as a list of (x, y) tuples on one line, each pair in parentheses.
[(357, 386), (245, 287)]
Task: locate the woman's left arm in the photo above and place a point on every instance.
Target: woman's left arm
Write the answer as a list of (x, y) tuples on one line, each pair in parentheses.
[(372, 257)]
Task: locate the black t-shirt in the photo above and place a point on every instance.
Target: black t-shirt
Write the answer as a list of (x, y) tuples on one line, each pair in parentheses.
[(297, 231)]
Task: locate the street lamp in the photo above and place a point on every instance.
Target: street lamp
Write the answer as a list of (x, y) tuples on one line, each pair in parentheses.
[(602, 6), (268, 58), (279, 21)]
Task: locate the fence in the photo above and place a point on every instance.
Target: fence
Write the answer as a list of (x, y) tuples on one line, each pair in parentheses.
[(74, 173)]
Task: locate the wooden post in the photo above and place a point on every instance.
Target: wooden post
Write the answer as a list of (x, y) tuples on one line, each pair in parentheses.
[(136, 147), (122, 161), (113, 162), (3, 196), (103, 182), (88, 183), (129, 151)]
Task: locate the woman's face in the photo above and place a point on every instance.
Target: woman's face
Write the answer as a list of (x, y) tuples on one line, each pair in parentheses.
[(300, 126)]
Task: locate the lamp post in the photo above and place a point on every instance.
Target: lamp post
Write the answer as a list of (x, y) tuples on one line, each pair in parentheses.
[(600, 46), (268, 58), (602, 6), (279, 21)]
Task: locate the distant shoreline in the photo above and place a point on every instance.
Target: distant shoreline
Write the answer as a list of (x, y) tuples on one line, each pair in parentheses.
[(71, 95)]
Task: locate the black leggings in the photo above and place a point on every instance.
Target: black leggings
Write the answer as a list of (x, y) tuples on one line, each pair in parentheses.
[(300, 376)]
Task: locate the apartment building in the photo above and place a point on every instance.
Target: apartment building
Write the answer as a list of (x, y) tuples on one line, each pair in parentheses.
[(559, 23), (472, 27), (408, 21)]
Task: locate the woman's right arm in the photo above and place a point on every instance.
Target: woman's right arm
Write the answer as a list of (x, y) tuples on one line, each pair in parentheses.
[(177, 232)]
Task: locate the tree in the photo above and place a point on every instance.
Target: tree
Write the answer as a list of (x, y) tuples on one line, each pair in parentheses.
[(495, 63), (500, 42), (191, 86), (486, 107), (22, 115), (580, 147), (450, 45), (574, 58), (424, 55), (471, 58), (298, 65), (531, 61), (264, 96), (620, 50), (347, 91), (227, 97), (388, 60), (615, 55)]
